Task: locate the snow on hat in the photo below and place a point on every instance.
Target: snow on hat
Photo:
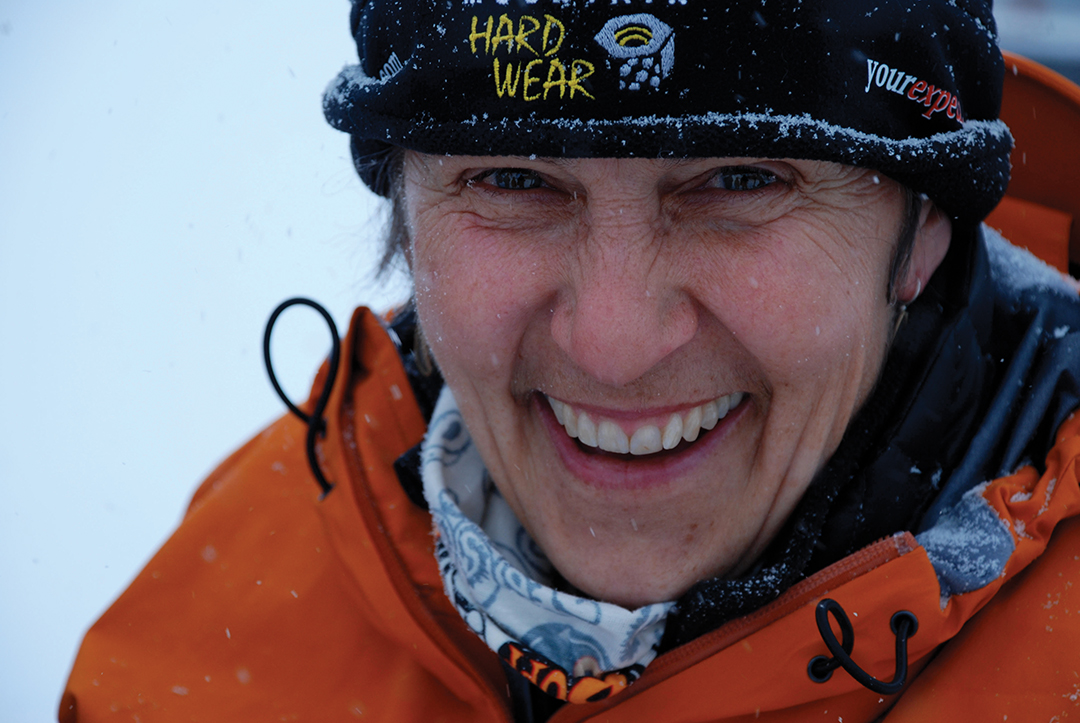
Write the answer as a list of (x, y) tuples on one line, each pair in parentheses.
[(911, 88)]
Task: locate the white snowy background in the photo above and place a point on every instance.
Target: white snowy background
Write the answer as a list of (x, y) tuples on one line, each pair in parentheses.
[(166, 178)]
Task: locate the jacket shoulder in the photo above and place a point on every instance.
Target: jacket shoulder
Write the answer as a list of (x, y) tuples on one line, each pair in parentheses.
[(1013, 658), (252, 609)]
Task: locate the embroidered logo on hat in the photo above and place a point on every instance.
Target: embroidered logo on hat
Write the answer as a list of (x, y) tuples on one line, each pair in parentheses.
[(645, 44), (531, 69), (392, 67)]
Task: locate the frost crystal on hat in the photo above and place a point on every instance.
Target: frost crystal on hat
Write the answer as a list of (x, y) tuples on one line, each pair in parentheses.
[(910, 90)]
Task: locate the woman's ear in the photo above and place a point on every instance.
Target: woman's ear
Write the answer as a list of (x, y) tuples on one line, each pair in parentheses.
[(931, 243)]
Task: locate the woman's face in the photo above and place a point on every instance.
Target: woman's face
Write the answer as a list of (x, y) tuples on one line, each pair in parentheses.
[(654, 357)]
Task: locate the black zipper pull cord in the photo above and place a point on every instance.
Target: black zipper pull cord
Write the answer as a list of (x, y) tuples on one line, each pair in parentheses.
[(316, 423), (904, 624)]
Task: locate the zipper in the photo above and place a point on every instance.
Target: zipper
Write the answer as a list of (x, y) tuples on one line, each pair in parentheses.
[(408, 593)]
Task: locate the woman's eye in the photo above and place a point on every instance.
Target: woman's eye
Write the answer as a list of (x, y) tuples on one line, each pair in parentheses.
[(514, 179), (743, 179)]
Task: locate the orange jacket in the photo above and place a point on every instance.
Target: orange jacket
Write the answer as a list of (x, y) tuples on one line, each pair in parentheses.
[(271, 604)]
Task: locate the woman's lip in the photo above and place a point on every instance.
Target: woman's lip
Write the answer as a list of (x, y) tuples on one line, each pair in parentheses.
[(624, 472), (652, 414)]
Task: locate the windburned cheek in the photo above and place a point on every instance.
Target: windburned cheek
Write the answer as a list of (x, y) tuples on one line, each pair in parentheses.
[(465, 319), (480, 286), (801, 325)]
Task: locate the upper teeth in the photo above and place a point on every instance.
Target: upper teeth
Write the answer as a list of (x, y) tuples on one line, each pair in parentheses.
[(610, 436)]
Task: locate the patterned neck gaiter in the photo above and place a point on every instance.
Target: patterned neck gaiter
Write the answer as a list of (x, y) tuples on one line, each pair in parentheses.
[(573, 648)]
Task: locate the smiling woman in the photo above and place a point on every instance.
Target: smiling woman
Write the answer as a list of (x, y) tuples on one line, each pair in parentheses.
[(707, 350), (605, 300)]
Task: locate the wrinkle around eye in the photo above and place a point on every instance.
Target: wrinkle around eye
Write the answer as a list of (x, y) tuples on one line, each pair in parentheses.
[(557, 221), (489, 200), (732, 210)]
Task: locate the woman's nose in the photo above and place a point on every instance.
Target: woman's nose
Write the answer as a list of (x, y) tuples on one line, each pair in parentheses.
[(623, 310)]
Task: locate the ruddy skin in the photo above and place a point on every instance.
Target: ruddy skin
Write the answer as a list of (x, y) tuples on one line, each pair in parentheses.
[(578, 301)]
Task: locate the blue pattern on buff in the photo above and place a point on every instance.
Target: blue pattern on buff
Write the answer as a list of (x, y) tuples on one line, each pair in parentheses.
[(453, 440), (566, 643), (498, 578)]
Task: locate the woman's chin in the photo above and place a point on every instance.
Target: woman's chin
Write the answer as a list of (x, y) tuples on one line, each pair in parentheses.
[(633, 587), (633, 568), (636, 530)]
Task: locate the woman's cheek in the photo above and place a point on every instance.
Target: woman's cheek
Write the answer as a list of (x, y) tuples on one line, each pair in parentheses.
[(793, 315), (475, 305)]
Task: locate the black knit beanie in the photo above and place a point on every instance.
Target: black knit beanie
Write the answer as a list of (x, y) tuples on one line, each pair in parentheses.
[(911, 88)]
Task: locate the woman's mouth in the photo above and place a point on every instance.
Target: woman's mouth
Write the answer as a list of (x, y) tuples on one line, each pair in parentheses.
[(644, 436)]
